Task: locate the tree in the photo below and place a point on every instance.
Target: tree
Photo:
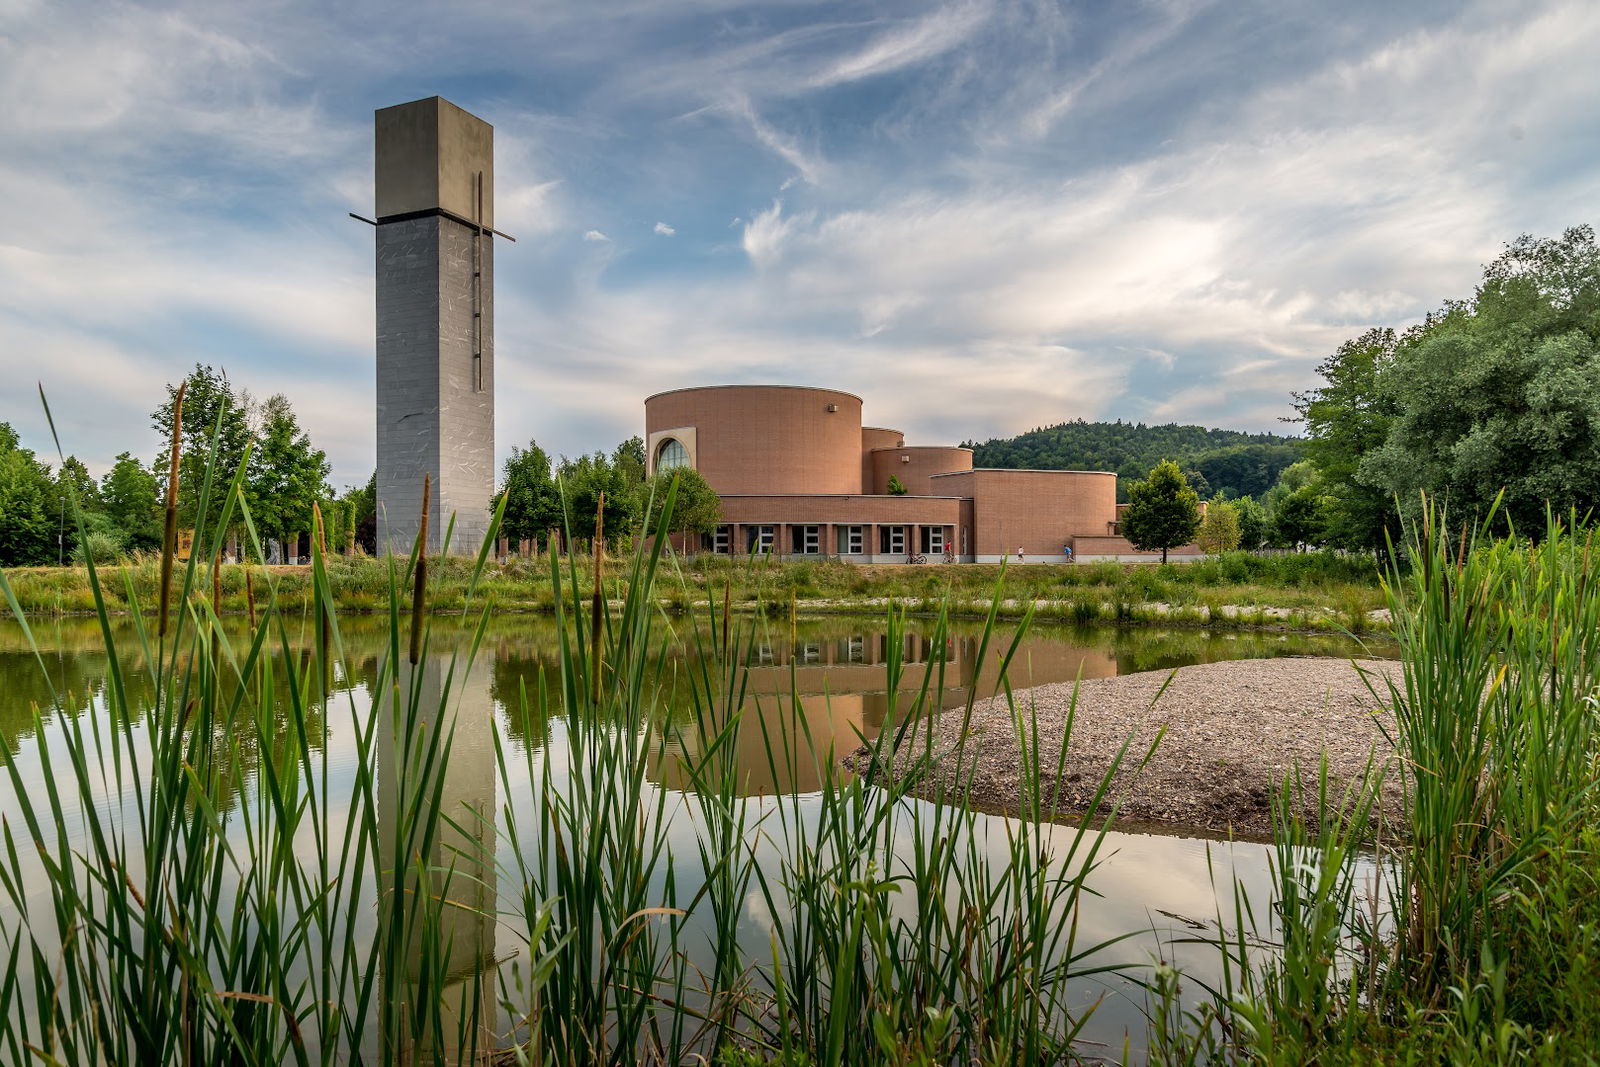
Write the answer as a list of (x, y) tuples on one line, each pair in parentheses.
[(211, 408), (533, 505), (27, 527), (1219, 530), (582, 480), (1300, 518), (74, 495), (697, 508), (1346, 420), (128, 494), (1163, 512), (1254, 525), (896, 487), (1501, 394), (364, 514), (287, 474)]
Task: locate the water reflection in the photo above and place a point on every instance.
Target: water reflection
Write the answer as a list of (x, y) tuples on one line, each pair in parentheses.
[(452, 697), (832, 675)]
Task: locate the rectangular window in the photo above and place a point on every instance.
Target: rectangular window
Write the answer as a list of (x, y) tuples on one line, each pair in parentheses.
[(721, 542), (933, 540), (808, 540), (852, 540), (892, 540), (758, 540)]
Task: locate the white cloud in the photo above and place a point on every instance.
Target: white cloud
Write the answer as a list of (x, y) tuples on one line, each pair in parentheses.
[(991, 215)]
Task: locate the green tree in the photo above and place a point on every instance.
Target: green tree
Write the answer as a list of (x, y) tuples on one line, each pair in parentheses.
[(1346, 420), (128, 494), (1163, 512), (697, 509), (1254, 525), (533, 505), (582, 480), (27, 527), (74, 494), (211, 406), (287, 474), (1219, 530), (1501, 393), (363, 519), (896, 487)]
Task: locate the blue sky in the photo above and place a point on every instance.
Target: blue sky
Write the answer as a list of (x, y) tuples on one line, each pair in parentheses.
[(980, 215)]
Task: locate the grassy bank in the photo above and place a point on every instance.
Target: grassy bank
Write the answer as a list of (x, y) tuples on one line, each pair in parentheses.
[(1476, 941), (1310, 591), (166, 906)]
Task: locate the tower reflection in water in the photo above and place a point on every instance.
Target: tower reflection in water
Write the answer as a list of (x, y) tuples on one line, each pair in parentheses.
[(459, 859), (843, 687)]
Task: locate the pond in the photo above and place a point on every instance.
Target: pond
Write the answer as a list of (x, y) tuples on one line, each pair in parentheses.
[(1153, 886)]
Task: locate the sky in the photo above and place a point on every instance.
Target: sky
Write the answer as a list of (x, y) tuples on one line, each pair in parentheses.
[(981, 216)]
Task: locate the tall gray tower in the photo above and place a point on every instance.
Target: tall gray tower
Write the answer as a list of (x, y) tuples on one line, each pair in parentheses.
[(435, 212)]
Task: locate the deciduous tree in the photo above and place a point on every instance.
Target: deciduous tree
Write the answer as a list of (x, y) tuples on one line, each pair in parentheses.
[(1163, 512), (1219, 530)]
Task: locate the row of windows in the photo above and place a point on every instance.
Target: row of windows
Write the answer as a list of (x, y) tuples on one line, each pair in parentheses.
[(848, 540)]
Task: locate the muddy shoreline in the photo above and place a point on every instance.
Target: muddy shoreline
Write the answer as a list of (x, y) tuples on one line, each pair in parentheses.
[(1233, 731)]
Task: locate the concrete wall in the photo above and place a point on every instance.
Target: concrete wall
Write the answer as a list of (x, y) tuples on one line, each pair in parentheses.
[(428, 155), (915, 466), (766, 438), (435, 315), (435, 402)]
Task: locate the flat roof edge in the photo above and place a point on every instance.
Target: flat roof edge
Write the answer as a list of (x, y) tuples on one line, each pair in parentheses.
[(840, 496), (1017, 470), (752, 385)]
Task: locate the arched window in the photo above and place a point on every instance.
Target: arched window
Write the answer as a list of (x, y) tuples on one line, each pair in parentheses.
[(671, 454)]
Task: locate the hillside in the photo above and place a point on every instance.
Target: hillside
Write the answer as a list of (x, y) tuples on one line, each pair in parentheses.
[(1242, 464)]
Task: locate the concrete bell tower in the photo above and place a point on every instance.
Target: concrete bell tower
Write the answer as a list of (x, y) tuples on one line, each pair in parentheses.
[(434, 178)]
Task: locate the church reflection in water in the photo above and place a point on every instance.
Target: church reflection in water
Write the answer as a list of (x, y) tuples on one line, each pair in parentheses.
[(842, 683)]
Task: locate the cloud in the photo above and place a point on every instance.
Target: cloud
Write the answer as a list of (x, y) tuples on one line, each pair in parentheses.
[(988, 215)]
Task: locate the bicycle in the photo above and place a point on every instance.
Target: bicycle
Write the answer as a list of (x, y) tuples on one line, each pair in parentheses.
[(916, 559)]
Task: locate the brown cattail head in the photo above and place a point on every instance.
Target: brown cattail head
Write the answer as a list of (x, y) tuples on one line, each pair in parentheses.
[(169, 540)]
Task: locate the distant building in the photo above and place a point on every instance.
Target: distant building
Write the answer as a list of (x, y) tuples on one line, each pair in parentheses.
[(800, 476)]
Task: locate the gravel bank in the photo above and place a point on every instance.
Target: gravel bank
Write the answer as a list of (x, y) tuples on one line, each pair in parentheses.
[(1234, 730)]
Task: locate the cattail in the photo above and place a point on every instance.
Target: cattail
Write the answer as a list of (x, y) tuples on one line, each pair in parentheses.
[(420, 578), (169, 540), (727, 614), (599, 602), (250, 596)]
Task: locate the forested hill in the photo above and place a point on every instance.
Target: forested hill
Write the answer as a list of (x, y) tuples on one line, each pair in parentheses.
[(1243, 464)]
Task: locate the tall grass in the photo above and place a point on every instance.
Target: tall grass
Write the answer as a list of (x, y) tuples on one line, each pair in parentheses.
[(1475, 943), (196, 885)]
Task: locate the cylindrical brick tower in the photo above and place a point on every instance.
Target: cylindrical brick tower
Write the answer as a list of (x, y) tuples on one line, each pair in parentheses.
[(759, 438)]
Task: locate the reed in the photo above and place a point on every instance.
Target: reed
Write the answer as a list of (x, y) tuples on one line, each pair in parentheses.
[(1473, 942), (235, 903)]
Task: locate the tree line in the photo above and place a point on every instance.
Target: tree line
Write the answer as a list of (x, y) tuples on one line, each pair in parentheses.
[(1228, 462), (547, 501), (284, 476), (1491, 403)]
